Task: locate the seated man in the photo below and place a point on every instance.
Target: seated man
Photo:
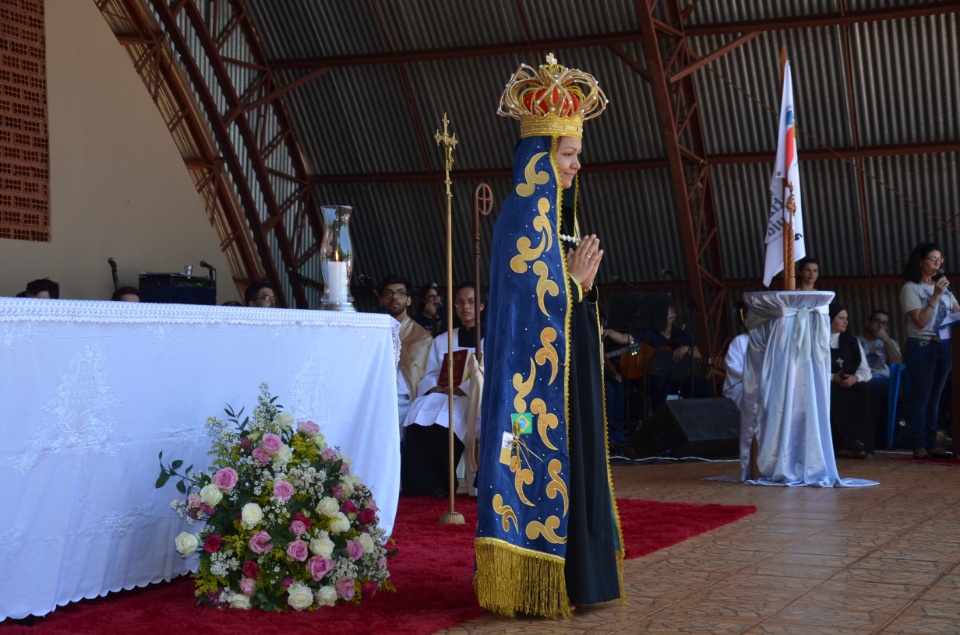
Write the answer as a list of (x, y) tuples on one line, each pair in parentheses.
[(424, 463), (671, 374), (260, 294), (415, 342), (126, 294), (881, 351), (44, 288), (734, 360)]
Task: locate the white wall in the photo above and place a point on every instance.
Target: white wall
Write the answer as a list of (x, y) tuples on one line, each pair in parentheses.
[(118, 186)]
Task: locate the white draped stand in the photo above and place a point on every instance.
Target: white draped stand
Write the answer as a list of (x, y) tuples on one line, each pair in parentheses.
[(786, 391), (92, 392)]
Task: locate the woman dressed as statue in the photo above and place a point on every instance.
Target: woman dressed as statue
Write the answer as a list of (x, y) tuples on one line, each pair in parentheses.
[(548, 532)]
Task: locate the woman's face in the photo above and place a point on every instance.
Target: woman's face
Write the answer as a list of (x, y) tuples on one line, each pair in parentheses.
[(568, 159), (931, 264), (431, 299), (466, 307), (839, 324), (810, 273)]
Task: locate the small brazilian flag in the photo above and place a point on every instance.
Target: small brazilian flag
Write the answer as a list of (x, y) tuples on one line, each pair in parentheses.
[(522, 423)]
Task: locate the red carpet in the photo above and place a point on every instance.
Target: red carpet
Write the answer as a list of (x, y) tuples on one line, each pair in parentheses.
[(432, 573)]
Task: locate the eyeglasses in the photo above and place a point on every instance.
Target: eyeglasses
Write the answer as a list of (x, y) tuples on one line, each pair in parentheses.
[(462, 303), (390, 293), (935, 261), (267, 298)]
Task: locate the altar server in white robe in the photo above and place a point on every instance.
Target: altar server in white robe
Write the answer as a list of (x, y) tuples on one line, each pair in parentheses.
[(424, 466)]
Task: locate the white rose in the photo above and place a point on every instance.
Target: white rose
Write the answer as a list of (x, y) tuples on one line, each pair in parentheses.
[(283, 455), (211, 495), (347, 487), (339, 524), (321, 546), (326, 596), (366, 542), (186, 543), (328, 506), (299, 596), (320, 441), (238, 601), (251, 515), (285, 420)]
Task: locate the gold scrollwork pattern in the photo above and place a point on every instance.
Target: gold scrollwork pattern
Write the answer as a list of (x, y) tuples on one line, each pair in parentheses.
[(526, 253), (523, 388), (556, 484), (521, 477), (541, 223), (548, 353), (535, 529), (545, 285), (545, 421), (506, 513), (531, 177)]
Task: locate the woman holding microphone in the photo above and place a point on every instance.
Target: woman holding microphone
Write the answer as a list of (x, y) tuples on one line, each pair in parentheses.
[(926, 301)]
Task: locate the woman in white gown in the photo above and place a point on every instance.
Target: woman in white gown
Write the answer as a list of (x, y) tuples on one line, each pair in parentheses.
[(424, 462)]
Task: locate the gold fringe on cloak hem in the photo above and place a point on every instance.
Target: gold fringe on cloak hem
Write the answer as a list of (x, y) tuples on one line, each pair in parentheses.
[(511, 581)]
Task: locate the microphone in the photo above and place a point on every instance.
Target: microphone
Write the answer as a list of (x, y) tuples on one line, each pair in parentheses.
[(938, 275), (213, 272), (113, 273), (112, 263)]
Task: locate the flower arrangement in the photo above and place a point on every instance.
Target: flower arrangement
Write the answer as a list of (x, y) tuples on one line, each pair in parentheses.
[(287, 524)]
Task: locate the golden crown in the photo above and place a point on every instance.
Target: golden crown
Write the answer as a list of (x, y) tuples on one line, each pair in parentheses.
[(551, 100)]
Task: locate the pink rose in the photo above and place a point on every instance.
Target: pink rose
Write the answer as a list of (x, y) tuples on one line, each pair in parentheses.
[(193, 500), (251, 569), (367, 516), (329, 454), (286, 582), (372, 504), (262, 456), (245, 444), (298, 550), (206, 509), (248, 586), (345, 589), (319, 567), (225, 479), (213, 543), (271, 443), (306, 521), (308, 429), (348, 507), (337, 491), (344, 467), (355, 549), (369, 589), (260, 542), (283, 490), (297, 528)]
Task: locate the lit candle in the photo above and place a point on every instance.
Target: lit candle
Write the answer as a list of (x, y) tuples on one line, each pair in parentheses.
[(337, 281)]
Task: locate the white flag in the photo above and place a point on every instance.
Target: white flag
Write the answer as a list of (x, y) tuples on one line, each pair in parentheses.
[(786, 191)]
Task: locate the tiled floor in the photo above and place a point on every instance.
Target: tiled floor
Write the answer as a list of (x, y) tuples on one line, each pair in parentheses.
[(882, 559)]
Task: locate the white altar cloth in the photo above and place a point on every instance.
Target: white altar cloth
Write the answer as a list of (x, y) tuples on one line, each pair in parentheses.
[(786, 391), (92, 392)]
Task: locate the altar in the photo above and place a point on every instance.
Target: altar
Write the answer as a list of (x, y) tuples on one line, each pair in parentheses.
[(92, 392)]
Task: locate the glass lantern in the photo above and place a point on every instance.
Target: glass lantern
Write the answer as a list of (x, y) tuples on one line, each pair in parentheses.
[(336, 257)]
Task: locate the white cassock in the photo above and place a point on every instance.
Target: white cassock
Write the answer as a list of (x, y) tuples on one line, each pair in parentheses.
[(733, 363), (427, 410)]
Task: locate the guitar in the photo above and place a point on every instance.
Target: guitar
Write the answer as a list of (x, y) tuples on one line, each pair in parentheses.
[(658, 361)]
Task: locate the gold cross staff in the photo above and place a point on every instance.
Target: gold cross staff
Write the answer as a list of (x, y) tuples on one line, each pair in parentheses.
[(449, 142)]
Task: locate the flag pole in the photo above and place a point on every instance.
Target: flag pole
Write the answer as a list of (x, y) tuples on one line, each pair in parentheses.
[(449, 142), (789, 269)]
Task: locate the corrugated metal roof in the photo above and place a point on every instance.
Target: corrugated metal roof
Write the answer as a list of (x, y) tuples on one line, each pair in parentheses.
[(378, 119)]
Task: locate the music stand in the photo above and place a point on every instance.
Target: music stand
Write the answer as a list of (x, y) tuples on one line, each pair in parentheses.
[(633, 311)]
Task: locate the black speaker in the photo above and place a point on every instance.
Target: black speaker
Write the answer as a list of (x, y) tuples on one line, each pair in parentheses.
[(707, 428)]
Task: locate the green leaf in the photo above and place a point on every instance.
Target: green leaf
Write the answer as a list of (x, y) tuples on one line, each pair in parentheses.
[(161, 455), (176, 464), (393, 552), (181, 487), (162, 479)]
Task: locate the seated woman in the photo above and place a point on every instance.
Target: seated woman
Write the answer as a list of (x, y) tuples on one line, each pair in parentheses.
[(852, 407), (424, 461)]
